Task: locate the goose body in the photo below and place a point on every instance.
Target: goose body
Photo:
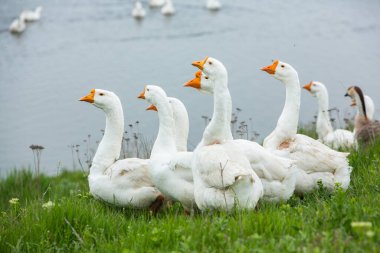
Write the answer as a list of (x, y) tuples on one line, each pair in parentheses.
[(168, 8), (119, 182), (138, 11), (276, 173), (175, 182), (370, 107), (18, 25), (31, 16), (218, 154), (156, 3), (316, 160), (213, 5), (366, 130), (339, 138)]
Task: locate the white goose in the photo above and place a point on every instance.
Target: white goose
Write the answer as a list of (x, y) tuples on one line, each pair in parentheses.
[(223, 177), (174, 182), (120, 182), (213, 5), (18, 25), (277, 174), (168, 8), (156, 3), (313, 157), (31, 16), (138, 11), (181, 122), (366, 130), (340, 138)]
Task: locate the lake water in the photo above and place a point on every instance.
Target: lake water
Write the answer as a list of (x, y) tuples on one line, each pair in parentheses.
[(80, 45)]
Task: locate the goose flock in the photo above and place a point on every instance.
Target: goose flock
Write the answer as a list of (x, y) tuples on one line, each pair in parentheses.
[(222, 172), (19, 24), (167, 7)]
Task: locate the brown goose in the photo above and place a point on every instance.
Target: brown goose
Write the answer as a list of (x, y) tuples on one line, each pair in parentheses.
[(366, 130)]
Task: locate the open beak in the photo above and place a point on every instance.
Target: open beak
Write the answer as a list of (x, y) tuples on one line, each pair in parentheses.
[(89, 98), (200, 64), (271, 69), (308, 86), (151, 108), (196, 82)]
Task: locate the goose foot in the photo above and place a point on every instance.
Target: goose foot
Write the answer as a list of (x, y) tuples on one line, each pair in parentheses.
[(156, 205)]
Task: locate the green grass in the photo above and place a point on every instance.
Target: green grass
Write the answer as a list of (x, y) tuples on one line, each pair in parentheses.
[(318, 222)]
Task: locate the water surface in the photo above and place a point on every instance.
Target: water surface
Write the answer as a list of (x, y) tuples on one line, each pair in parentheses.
[(80, 45)]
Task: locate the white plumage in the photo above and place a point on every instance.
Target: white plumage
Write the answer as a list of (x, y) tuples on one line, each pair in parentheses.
[(138, 11), (213, 5), (18, 25), (175, 182), (310, 155), (156, 3), (223, 177), (31, 16), (120, 182), (339, 138), (168, 8), (277, 174)]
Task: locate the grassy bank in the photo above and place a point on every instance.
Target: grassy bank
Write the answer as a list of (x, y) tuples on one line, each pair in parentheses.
[(74, 221)]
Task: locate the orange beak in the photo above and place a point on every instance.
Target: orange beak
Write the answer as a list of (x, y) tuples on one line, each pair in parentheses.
[(271, 69), (151, 108), (142, 94), (200, 64), (89, 98), (196, 82), (308, 86)]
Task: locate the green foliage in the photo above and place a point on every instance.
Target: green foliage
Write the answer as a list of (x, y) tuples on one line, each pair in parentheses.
[(74, 221)]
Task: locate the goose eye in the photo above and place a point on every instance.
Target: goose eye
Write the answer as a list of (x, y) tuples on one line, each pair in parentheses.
[(147, 89), (206, 77), (101, 94), (282, 66), (210, 62)]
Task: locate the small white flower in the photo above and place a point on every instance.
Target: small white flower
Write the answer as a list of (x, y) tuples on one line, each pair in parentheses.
[(13, 201), (48, 205)]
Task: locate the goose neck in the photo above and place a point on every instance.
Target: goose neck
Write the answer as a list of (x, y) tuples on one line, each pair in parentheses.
[(219, 128), (165, 141), (109, 147), (323, 120), (288, 121)]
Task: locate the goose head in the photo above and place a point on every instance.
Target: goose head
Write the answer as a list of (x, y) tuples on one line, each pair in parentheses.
[(315, 88), (211, 67), (350, 93), (281, 70), (201, 82), (102, 99), (357, 98), (153, 94), (173, 101)]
